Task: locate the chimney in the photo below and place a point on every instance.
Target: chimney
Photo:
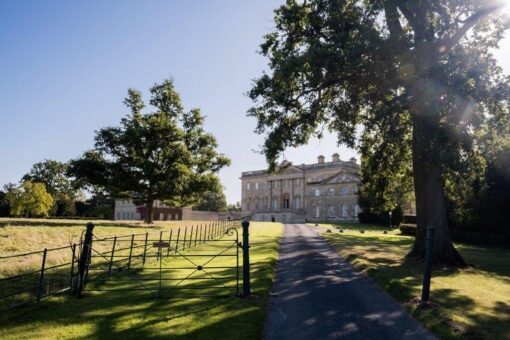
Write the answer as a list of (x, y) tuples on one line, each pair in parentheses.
[(353, 160), (336, 157), (320, 159)]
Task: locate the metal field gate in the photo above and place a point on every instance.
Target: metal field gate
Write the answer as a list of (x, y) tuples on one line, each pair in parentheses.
[(193, 261)]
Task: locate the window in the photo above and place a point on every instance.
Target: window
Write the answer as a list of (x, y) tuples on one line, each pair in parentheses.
[(298, 182), (118, 215), (275, 203), (257, 186), (317, 211), (276, 184), (331, 211), (331, 191), (344, 210), (297, 202), (248, 186), (317, 192), (309, 179), (344, 191), (355, 190)]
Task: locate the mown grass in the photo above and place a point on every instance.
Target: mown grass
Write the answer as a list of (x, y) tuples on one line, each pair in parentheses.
[(351, 226), (140, 314), (471, 303)]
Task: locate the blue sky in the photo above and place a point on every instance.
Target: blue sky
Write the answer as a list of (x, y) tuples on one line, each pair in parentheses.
[(65, 67)]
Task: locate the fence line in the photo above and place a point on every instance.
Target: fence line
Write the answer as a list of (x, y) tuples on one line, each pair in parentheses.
[(50, 280)]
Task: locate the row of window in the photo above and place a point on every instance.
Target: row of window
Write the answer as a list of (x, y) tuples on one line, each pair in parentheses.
[(127, 215), (332, 192), (344, 210), (276, 184), (276, 203), (126, 202)]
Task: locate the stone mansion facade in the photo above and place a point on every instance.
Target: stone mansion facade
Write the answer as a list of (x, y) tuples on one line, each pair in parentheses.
[(324, 191)]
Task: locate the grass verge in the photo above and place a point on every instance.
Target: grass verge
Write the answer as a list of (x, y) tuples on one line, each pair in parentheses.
[(138, 314), (469, 303)]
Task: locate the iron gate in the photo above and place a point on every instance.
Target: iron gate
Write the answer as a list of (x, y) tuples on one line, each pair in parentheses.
[(196, 261)]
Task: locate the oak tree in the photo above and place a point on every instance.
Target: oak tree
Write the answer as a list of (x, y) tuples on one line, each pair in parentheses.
[(424, 65), (163, 155)]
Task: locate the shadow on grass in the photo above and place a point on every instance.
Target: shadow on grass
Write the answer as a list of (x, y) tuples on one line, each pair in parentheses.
[(353, 226), (139, 314), (383, 259)]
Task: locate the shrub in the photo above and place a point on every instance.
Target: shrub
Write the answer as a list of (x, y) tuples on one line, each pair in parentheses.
[(382, 218)]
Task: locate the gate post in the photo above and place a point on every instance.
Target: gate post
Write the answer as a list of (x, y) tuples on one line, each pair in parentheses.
[(428, 264), (246, 259), (84, 260)]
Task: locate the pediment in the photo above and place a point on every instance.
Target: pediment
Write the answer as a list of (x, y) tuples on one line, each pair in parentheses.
[(292, 170), (342, 177)]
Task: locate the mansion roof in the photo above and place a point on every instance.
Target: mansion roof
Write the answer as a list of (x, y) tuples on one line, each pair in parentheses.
[(289, 168)]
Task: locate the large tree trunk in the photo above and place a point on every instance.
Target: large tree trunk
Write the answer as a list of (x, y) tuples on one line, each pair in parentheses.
[(148, 210), (429, 188)]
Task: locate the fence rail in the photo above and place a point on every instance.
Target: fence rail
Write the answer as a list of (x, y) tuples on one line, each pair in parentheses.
[(62, 269)]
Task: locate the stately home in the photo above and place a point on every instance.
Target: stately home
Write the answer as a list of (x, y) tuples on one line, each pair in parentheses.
[(324, 191)]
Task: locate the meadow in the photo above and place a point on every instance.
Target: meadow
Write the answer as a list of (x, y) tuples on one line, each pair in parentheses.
[(26, 235)]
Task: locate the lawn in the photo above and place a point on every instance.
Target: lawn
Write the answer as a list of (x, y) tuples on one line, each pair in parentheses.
[(351, 226), (468, 303), (140, 314)]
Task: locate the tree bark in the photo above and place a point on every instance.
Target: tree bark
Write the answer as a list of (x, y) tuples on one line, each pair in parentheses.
[(429, 186), (148, 215)]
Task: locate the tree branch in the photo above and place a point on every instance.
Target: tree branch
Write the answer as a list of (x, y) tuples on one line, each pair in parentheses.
[(446, 44), (392, 20)]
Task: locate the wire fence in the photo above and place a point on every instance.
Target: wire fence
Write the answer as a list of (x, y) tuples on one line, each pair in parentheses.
[(58, 271)]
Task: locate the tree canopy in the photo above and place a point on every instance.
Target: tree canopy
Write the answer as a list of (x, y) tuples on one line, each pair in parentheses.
[(420, 72), (214, 200), (53, 174), (162, 155), (29, 199)]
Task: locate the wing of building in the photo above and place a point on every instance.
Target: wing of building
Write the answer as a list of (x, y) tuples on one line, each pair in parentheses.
[(324, 191), (125, 209)]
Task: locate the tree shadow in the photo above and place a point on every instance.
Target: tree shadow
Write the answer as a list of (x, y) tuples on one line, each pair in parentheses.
[(401, 277), (140, 314)]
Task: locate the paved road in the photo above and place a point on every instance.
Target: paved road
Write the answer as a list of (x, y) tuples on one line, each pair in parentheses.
[(318, 296)]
